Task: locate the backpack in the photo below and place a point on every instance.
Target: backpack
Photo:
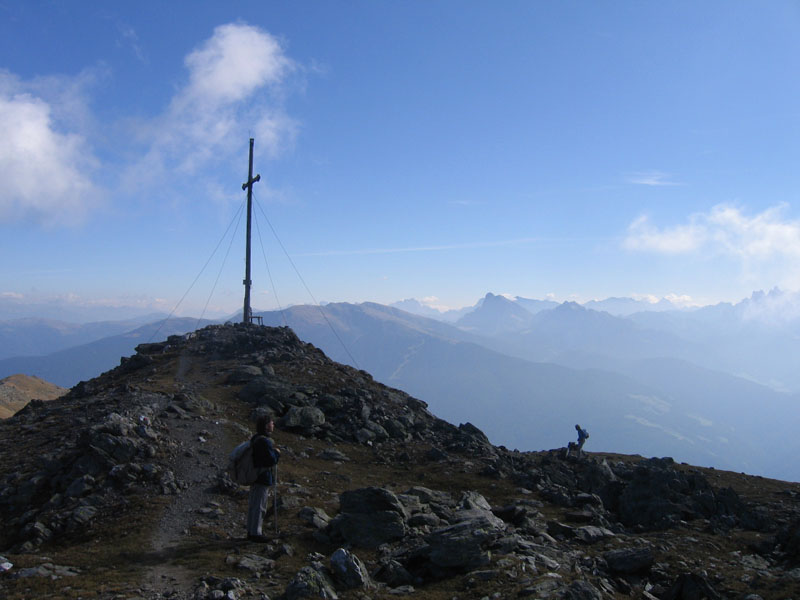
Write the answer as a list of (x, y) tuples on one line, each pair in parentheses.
[(240, 464)]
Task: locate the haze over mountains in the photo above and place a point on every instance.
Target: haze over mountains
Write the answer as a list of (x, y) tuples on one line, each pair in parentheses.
[(715, 386)]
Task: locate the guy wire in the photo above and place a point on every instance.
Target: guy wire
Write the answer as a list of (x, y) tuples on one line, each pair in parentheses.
[(172, 312), (300, 277)]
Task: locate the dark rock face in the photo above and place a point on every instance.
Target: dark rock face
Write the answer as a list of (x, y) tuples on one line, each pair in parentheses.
[(367, 530), (691, 586), (629, 561), (461, 546)]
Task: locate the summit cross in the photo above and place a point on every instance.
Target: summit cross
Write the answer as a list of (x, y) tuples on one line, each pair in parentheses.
[(247, 316)]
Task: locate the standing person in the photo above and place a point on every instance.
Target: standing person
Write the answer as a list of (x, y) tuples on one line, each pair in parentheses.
[(265, 456), (583, 435)]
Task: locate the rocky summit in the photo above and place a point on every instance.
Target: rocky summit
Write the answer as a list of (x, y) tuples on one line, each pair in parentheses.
[(119, 490)]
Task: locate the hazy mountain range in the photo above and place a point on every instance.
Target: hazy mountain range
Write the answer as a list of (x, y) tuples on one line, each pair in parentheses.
[(68, 366), (16, 306), (641, 400), (714, 386)]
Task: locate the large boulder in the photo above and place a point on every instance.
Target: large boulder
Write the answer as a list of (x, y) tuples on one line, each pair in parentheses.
[(368, 530), (371, 499), (349, 571), (463, 546), (303, 419)]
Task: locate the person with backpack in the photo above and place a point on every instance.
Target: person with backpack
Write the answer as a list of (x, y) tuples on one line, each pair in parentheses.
[(265, 456), (583, 435)]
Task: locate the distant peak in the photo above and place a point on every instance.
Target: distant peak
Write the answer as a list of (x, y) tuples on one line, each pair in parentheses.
[(570, 305), (496, 298)]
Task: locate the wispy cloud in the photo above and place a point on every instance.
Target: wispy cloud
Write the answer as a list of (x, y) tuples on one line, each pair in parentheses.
[(651, 178), (433, 248), (46, 163), (464, 202), (130, 40)]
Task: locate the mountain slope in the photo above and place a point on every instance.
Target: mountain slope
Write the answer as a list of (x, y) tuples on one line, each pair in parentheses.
[(69, 366), (17, 390), (118, 490)]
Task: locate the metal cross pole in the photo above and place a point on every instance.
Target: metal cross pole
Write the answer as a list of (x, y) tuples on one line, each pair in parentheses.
[(275, 497), (248, 313)]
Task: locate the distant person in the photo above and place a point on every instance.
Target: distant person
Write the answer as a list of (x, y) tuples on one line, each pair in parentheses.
[(265, 456), (583, 435)]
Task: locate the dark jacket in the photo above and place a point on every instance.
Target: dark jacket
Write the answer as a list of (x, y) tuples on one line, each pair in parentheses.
[(264, 456)]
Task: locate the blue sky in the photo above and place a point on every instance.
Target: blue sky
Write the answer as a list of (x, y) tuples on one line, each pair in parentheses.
[(435, 150)]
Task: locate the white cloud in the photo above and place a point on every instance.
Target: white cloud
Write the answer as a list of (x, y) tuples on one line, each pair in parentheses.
[(683, 300), (45, 164), (767, 245), (235, 87), (675, 240), (765, 235), (237, 60)]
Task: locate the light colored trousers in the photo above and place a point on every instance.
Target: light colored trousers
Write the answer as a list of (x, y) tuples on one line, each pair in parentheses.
[(259, 494)]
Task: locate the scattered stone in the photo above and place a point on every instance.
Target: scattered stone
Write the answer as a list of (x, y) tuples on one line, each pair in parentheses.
[(48, 570), (582, 590), (315, 517), (333, 454), (257, 565)]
